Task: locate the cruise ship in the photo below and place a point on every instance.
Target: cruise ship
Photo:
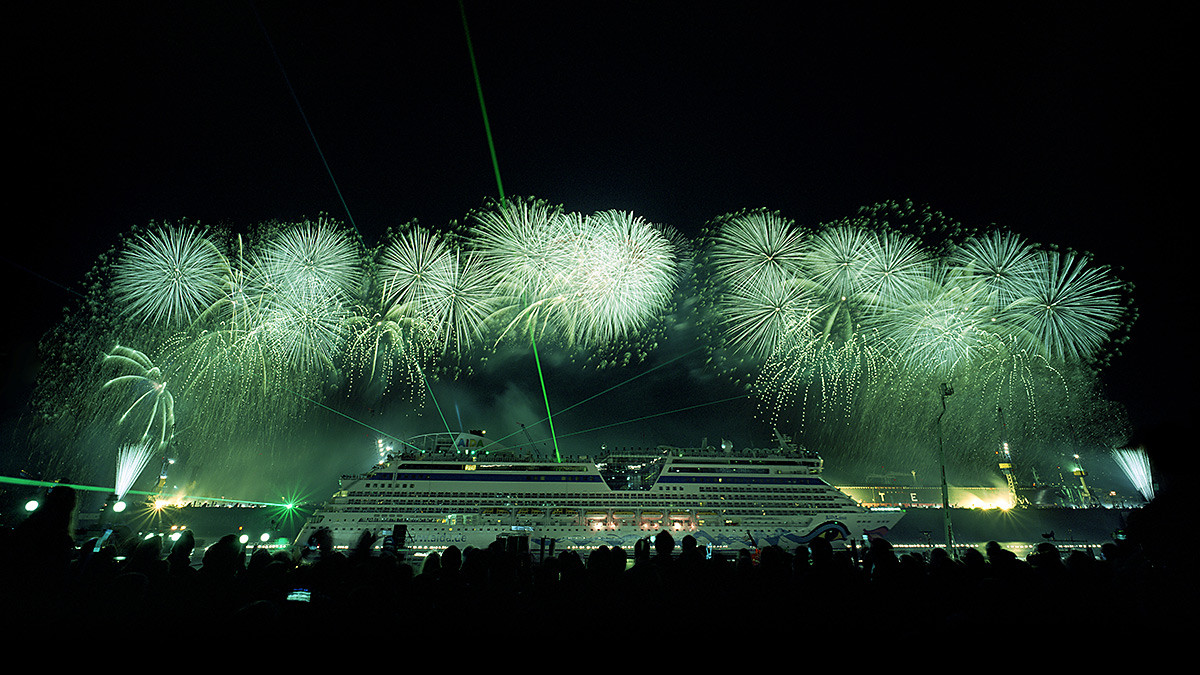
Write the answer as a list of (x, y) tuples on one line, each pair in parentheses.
[(456, 489)]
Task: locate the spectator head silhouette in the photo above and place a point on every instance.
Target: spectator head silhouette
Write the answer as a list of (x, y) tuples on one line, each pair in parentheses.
[(55, 514), (432, 564), (664, 543), (222, 558), (183, 546), (451, 559)]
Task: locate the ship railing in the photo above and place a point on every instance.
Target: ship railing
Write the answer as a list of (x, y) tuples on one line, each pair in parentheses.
[(798, 453), (449, 456)]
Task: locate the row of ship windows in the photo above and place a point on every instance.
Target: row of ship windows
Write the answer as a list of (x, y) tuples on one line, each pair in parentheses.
[(372, 491), (573, 468), (595, 503), (399, 513), (583, 502), (788, 509), (775, 481)]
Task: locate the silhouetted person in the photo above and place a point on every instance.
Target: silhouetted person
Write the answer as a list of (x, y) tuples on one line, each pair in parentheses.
[(619, 560), (365, 544), (217, 584), (689, 549), (320, 545), (664, 547), (451, 559), (641, 551), (642, 578), (146, 558), (822, 553), (801, 565), (432, 566), (974, 564), (221, 559), (39, 551), (180, 558), (599, 566), (775, 568)]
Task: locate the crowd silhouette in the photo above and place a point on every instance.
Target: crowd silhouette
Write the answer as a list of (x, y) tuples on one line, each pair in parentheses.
[(669, 587)]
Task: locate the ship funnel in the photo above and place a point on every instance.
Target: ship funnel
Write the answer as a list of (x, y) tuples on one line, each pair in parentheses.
[(726, 445)]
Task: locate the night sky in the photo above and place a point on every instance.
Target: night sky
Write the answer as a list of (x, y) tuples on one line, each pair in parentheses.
[(1066, 126)]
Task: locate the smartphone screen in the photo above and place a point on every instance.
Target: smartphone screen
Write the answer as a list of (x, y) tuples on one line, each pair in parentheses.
[(100, 542)]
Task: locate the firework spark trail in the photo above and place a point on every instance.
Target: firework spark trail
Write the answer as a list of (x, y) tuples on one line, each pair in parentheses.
[(528, 248), (583, 280), (1136, 466), (306, 327), (411, 270), (131, 461), (1002, 261), (169, 275), (759, 246), (385, 349), (837, 260), (1069, 309), (941, 331), (527, 245), (836, 371), (852, 316), (312, 255), (464, 305), (150, 376), (765, 317), (895, 272), (626, 278), (989, 308)]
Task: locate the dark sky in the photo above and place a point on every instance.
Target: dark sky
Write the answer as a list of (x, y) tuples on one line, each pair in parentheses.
[(1066, 125)]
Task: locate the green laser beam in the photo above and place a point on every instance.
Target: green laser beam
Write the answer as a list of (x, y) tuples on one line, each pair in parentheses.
[(652, 416), (41, 483), (356, 421), (487, 127), (99, 488), (43, 277), (599, 394), (304, 117), (557, 456), (437, 406)]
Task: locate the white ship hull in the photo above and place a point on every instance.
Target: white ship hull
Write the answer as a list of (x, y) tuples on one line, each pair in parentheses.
[(463, 497)]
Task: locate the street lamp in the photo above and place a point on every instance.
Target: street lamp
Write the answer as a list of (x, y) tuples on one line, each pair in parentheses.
[(947, 390)]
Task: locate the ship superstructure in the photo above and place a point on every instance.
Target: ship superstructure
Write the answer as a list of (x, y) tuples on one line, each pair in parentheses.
[(444, 489)]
